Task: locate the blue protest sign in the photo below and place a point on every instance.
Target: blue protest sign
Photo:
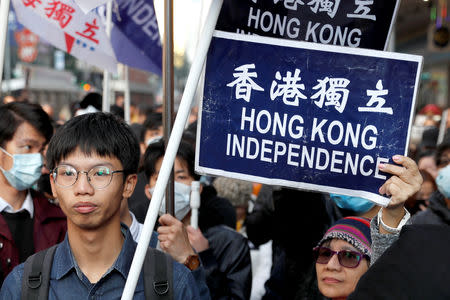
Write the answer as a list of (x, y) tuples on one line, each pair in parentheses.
[(353, 23), (135, 35), (304, 115)]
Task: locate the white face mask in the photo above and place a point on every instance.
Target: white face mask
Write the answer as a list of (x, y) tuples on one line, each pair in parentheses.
[(182, 195), (443, 181), (25, 171)]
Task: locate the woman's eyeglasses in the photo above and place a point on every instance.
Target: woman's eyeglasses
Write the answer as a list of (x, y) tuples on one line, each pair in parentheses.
[(346, 258)]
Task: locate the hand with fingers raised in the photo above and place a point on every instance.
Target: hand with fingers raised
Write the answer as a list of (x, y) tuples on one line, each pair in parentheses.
[(404, 183)]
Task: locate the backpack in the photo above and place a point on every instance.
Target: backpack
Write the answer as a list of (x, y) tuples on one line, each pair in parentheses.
[(158, 278)]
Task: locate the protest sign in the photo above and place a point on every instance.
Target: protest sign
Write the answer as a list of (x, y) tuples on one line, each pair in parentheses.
[(64, 25), (304, 115), (353, 23)]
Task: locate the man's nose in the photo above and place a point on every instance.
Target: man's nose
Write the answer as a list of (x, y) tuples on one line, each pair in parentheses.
[(82, 185)]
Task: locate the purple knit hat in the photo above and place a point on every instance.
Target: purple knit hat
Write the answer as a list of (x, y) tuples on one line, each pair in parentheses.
[(354, 230)]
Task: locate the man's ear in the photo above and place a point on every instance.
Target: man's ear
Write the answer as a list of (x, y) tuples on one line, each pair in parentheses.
[(129, 185), (147, 192), (52, 185)]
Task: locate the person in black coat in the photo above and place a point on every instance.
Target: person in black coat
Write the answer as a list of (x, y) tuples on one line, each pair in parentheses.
[(224, 253)]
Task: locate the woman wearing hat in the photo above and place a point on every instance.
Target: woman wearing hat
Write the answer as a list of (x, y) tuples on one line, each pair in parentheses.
[(352, 244)]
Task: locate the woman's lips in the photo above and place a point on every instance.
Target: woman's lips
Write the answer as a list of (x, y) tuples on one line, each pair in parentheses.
[(85, 207), (330, 280)]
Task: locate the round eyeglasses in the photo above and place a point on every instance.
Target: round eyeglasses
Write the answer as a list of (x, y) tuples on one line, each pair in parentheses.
[(346, 258), (99, 177)]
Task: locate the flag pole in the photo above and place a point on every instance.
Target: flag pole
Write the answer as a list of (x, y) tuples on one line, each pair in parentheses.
[(171, 151), (168, 93), (106, 76), (127, 96), (4, 10)]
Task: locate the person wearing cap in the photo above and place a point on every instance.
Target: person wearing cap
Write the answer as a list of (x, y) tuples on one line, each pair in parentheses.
[(358, 242), (349, 238)]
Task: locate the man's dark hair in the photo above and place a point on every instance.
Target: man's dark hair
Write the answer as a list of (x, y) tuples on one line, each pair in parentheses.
[(117, 111), (13, 114), (93, 99), (100, 133), (153, 122), (156, 150)]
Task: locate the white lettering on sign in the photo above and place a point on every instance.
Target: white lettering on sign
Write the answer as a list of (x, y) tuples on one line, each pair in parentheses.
[(335, 132), (275, 23), (376, 103), (327, 34), (362, 10), (279, 124), (292, 154), (334, 91), (328, 6), (244, 82), (290, 89)]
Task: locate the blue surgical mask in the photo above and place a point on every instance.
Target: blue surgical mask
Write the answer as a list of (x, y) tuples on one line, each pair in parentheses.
[(182, 195), (443, 181), (25, 171), (355, 204)]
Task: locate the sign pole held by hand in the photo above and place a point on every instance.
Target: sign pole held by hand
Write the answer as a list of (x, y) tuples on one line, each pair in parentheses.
[(168, 93), (4, 10), (171, 151), (106, 75)]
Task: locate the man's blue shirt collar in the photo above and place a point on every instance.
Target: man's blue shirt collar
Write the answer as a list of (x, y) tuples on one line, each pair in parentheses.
[(66, 260)]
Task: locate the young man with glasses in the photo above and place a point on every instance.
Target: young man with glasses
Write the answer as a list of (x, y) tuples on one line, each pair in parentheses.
[(28, 221), (94, 160)]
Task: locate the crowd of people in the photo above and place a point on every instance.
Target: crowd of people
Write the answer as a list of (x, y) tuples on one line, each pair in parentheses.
[(74, 196)]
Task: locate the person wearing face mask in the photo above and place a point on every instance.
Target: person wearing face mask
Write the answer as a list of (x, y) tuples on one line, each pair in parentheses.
[(151, 130), (28, 221), (354, 206), (223, 252), (438, 211)]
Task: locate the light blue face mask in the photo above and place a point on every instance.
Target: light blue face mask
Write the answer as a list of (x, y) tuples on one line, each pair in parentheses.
[(182, 194), (443, 181), (25, 171), (355, 204)]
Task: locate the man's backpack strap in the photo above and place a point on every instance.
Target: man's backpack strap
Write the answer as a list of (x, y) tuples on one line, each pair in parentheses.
[(36, 275), (158, 275)]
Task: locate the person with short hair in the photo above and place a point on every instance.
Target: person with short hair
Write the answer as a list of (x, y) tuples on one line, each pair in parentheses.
[(93, 160), (224, 253), (28, 221)]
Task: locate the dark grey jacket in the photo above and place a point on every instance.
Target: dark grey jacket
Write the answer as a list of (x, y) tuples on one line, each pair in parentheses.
[(227, 264), (437, 212)]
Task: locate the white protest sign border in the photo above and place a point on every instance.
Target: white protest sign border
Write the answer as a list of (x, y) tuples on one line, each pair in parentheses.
[(379, 199)]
